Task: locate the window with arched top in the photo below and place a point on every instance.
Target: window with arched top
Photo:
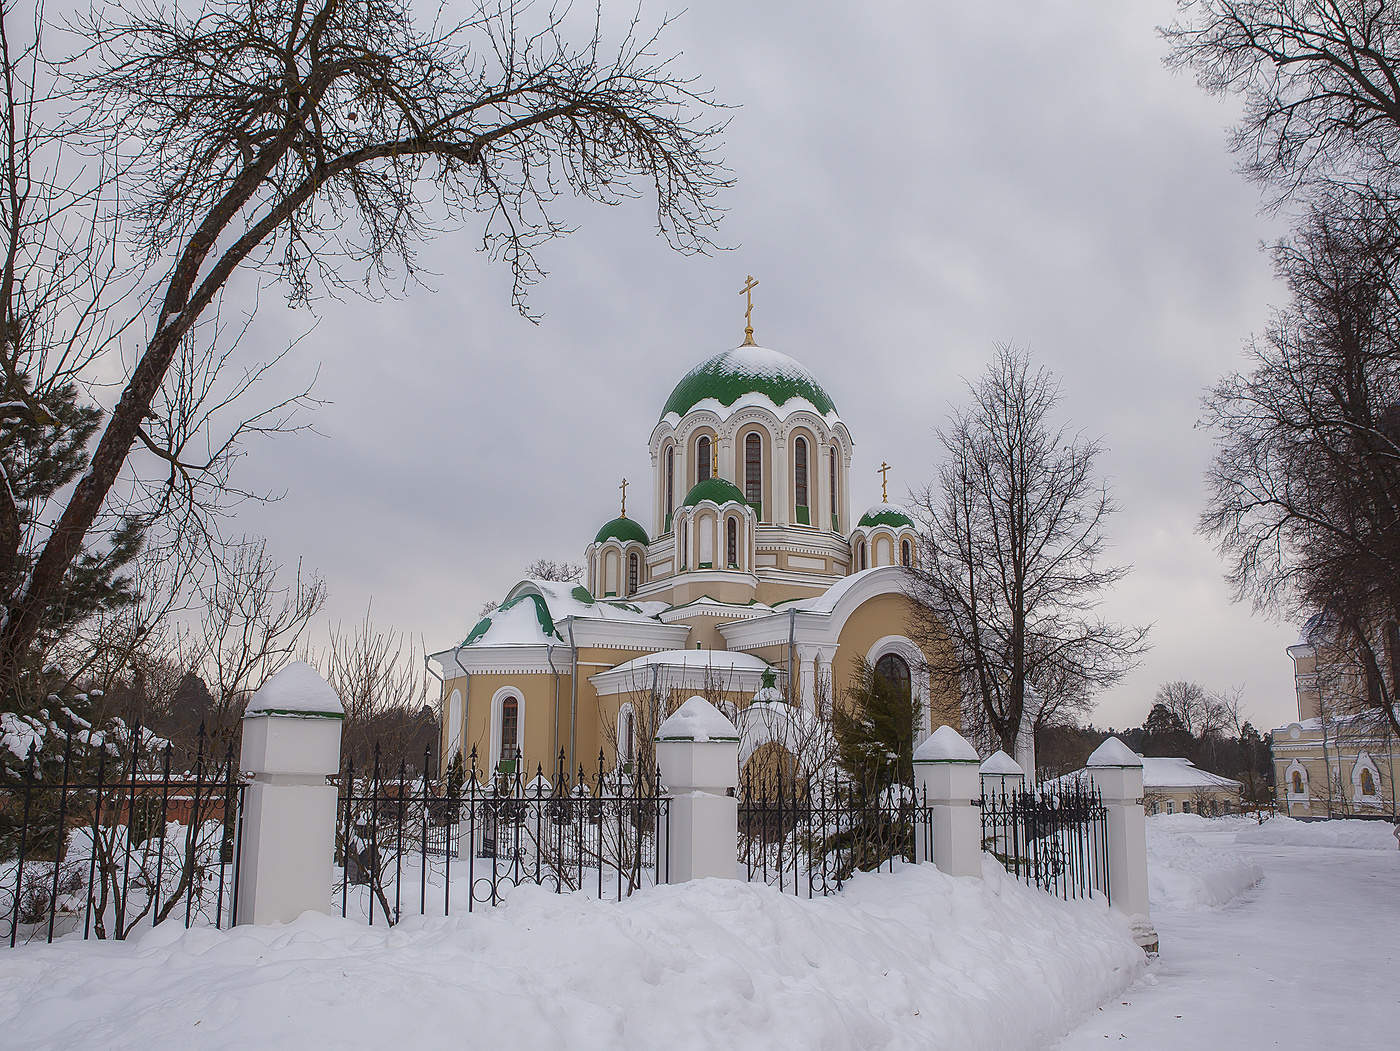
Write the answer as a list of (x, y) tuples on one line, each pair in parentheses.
[(634, 572), (860, 554), (629, 735), (1368, 783), (753, 469), (670, 483), (731, 543), (685, 543), (1297, 783), (893, 671), (835, 503), (906, 554), (510, 729), (702, 458), (799, 474)]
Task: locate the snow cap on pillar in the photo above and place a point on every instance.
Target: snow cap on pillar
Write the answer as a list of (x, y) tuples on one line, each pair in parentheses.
[(697, 720), (999, 764), (1114, 752), (297, 690), (945, 745)]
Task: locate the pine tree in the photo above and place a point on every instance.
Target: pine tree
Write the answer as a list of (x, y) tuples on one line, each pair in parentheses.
[(874, 734)]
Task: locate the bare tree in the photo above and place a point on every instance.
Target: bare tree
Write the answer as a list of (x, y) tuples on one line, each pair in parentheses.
[(1320, 82), (1012, 537), (289, 139)]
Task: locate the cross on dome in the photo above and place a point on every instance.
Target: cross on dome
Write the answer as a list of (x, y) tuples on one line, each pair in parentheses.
[(747, 292)]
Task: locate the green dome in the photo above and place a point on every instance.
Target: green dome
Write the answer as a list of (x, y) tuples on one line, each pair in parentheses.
[(624, 529), (729, 376), (716, 489), (885, 514)]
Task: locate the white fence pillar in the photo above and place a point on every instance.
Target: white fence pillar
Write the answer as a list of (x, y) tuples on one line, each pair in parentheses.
[(1001, 775), (697, 756), (1116, 771), (291, 742), (945, 773)]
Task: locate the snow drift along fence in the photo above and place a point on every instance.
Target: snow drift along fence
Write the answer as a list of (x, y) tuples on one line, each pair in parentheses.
[(1055, 838), (810, 835), (406, 844), (103, 837)]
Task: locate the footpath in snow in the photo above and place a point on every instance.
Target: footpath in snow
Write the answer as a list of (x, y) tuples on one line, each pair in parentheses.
[(910, 959), (1281, 935)]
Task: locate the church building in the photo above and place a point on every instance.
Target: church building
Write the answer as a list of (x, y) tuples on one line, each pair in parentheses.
[(753, 584)]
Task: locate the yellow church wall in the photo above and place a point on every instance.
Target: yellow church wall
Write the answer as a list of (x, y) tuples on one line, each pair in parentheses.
[(873, 620)]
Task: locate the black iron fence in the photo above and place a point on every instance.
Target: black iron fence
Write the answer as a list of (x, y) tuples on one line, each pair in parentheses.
[(406, 844), (1055, 838), (100, 836), (809, 835)]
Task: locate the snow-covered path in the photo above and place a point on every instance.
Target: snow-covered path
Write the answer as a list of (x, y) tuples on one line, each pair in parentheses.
[(1306, 959)]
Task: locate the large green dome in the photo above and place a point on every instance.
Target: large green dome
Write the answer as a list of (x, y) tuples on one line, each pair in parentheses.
[(729, 376), (717, 489), (624, 529)]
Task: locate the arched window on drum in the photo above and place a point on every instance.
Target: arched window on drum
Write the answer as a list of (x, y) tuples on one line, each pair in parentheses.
[(634, 572), (753, 471), (702, 458), (799, 461), (731, 543), (906, 554)]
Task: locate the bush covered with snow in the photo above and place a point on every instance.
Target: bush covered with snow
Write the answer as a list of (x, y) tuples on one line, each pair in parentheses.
[(1339, 832), (912, 958), (1185, 872)]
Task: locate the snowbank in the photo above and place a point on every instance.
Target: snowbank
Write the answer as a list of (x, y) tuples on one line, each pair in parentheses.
[(1290, 832), (1185, 873), (907, 959)]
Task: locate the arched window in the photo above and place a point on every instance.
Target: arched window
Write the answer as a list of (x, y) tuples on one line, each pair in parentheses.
[(1368, 783), (1297, 783), (670, 483), (835, 518), (685, 543), (892, 670), (634, 569), (906, 554), (629, 733), (731, 543), (702, 458), (799, 474), (753, 469), (510, 730), (860, 554)]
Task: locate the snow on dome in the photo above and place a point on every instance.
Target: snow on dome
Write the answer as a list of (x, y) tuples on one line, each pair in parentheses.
[(945, 745), (726, 378), (624, 529), (1114, 752), (885, 514), (1002, 765), (697, 720), (297, 689), (718, 490)]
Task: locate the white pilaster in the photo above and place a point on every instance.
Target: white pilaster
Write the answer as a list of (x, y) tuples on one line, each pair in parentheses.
[(945, 773), (1116, 772), (697, 756)]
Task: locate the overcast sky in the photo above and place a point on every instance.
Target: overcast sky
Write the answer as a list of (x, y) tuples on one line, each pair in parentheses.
[(914, 183)]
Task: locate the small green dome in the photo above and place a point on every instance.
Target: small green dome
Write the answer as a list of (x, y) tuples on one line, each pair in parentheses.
[(729, 376), (716, 489), (885, 514), (624, 529)]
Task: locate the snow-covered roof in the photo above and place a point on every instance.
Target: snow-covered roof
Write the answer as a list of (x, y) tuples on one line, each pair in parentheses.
[(533, 608), (1178, 772), (746, 376), (697, 720), (297, 689), (826, 601), (718, 660)]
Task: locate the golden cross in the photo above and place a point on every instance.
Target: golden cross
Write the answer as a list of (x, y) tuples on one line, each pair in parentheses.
[(747, 292), (884, 482), (623, 487)]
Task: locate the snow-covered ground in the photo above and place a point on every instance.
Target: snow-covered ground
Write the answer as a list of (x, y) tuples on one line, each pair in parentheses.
[(907, 959), (1282, 935)]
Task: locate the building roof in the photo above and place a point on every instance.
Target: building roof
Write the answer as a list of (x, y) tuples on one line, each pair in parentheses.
[(532, 609), (1179, 772), (719, 490), (728, 377), (885, 514), (624, 529)]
